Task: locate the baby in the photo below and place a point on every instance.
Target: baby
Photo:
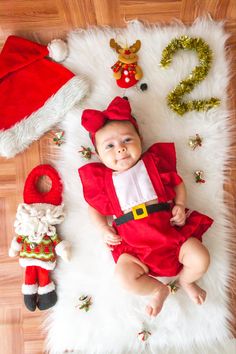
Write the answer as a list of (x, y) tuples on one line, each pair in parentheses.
[(152, 235)]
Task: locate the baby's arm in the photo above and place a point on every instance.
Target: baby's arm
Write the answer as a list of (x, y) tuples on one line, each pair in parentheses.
[(178, 211), (108, 232)]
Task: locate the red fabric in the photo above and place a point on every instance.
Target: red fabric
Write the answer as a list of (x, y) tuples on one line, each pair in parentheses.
[(92, 176), (99, 191), (122, 82), (27, 79), (128, 72), (160, 161), (37, 275), (119, 109), (156, 243), (32, 194), (19, 52), (152, 240), (20, 239)]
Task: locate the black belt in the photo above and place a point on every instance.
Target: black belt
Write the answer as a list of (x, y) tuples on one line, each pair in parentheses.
[(141, 211)]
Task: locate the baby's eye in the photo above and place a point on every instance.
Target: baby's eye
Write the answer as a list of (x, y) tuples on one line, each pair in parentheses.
[(109, 146), (127, 140)]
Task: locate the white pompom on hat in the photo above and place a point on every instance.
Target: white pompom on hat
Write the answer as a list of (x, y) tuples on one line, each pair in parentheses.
[(58, 50)]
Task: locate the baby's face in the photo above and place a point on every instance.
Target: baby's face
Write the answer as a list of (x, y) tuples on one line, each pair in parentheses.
[(119, 145)]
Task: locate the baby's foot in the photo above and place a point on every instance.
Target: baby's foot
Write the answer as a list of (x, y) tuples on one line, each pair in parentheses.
[(197, 294), (157, 301)]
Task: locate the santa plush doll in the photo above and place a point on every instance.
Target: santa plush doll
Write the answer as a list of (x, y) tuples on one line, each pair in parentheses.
[(37, 242)]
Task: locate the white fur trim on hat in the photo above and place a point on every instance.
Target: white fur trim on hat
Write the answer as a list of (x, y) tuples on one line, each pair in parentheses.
[(25, 262), (22, 134), (46, 289), (58, 50), (29, 289)]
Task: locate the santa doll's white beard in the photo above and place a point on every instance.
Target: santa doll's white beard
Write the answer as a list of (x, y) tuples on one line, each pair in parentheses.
[(35, 232), (36, 220), (36, 238)]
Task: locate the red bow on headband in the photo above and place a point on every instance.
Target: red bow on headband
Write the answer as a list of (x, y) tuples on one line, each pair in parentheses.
[(119, 109)]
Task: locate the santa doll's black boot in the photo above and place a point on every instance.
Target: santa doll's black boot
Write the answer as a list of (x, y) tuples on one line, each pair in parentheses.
[(30, 301), (45, 301)]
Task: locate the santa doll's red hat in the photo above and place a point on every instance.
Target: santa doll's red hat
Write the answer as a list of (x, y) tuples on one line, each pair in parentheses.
[(31, 193), (35, 92)]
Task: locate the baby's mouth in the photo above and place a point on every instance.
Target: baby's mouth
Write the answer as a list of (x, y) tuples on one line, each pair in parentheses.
[(123, 158)]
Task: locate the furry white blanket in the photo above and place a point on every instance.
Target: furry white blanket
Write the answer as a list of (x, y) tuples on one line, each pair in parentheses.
[(116, 317)]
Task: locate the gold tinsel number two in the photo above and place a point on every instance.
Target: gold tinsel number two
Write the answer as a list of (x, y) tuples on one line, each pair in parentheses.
[(199, 73)]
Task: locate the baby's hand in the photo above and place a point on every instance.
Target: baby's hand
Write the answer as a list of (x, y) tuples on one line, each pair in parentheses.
[(179, 215), (110, 236)]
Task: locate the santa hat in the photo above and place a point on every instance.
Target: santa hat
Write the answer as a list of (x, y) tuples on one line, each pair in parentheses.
[(33, 195), (119, 109), (35, 92)]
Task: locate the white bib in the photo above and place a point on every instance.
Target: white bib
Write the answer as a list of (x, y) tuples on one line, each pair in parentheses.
[(133, 187)]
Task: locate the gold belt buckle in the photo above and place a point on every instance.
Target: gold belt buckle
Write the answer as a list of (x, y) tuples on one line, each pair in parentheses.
[(139, 211)]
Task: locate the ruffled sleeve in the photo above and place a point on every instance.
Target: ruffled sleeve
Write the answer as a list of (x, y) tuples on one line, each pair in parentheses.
[(92, 177), (164, 156)]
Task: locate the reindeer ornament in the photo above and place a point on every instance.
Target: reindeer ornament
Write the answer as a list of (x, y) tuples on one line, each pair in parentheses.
[(126, 70)]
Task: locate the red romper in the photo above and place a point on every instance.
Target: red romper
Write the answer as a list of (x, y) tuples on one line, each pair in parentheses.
[(151, 239)]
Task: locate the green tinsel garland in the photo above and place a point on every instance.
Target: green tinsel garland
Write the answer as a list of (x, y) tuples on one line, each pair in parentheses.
[(197, 75)]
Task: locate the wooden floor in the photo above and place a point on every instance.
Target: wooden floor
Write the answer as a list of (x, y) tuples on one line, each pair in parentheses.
[(43, 20)]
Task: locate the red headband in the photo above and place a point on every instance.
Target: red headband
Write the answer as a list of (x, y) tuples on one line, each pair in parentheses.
[(119, 109)]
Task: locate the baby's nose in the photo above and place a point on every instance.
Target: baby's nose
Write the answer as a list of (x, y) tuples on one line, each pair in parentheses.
[(121, 149)]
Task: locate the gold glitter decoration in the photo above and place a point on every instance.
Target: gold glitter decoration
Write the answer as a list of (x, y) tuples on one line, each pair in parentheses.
[(144, 335), (59, 138), (195, 141), (173, 287), (199, 176), (86, 152), (174, 98), (85, 302)]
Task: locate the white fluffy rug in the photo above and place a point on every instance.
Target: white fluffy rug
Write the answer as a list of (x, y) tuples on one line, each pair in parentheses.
[(116, 317)]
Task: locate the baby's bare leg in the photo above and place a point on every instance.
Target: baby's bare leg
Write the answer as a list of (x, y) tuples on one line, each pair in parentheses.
[(195, 259), (133, 275)]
